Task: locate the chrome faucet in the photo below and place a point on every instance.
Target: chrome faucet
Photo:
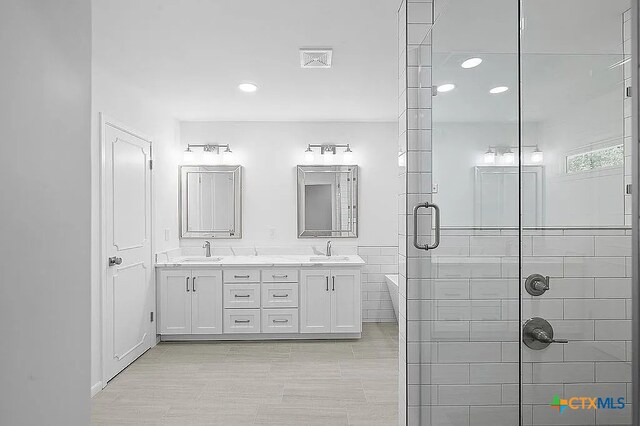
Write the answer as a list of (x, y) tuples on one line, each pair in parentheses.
[(328, 248), (207, 247)]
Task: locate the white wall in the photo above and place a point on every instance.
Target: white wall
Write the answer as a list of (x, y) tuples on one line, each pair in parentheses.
[(45, 212), (269, 153), (136, 110)]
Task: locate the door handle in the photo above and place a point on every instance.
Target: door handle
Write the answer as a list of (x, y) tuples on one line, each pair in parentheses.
[(327, 283), (187, 283), (193, 284), (115, 261), (436, 240), (333, 283)]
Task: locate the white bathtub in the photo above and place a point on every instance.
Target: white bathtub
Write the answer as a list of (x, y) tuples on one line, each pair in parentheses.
[(392, 285)]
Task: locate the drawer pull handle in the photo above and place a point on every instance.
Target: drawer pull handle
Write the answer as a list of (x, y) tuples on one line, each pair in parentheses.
[(280, 320), (280, 276), (242, 295), (241, 276), (242, 321), (280, 295)]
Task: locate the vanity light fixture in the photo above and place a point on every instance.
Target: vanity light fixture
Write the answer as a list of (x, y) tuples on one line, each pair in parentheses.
[(506, 155), (248, 87), (447, 87), (471, 63), (537, 156), (328, 152), (210, 151), (499, 89)]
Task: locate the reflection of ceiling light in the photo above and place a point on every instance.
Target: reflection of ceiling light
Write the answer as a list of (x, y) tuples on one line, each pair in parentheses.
[(471, 63), (489, 157), (446, 87), (499, 89), (247, 87), (537, 156)]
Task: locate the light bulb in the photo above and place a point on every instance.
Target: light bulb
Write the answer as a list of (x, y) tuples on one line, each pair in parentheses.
[(309, 156), (188, 156), (328, 157), (471, 63), (227, 156), (489, 157), (447, 87), (348, 156), (208, 157), (499, 89), (247, 87), (508, 157), (537, 156)]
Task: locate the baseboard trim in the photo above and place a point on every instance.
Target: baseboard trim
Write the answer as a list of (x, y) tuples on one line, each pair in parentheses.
[(96, 388)]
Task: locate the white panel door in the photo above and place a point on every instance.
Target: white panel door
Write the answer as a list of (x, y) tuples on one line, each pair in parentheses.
[(206, 302), (315, 302), (128, 290), (175, 302), (346, 314)]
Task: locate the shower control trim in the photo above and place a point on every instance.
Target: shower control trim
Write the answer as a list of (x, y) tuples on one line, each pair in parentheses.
[(537, 334), (536, 284)]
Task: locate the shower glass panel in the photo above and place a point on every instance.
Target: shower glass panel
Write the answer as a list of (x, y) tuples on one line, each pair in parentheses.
[(515, 238), (576, 128)]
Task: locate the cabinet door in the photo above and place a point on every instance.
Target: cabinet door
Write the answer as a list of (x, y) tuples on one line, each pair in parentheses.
[(175, 302), (315, 301), (346, 316), (206, 302)]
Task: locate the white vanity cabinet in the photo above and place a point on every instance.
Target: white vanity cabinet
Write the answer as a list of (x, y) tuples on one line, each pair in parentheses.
[(190, 301), (254, 299), (330, 301)]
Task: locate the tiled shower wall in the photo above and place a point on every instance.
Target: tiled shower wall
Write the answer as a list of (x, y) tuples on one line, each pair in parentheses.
[(415, 19), (472, 342)]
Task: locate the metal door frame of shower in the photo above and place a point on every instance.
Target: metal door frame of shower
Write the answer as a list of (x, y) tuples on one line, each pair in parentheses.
[(635, 222)]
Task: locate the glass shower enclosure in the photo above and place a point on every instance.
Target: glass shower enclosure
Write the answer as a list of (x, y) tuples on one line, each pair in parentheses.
[(515, 138)]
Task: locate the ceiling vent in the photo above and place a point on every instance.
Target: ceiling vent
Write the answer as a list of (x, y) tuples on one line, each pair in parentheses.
[(315, 58)]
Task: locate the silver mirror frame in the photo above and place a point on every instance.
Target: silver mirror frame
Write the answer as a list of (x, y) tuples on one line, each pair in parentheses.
[(352, 232), (234, 233)]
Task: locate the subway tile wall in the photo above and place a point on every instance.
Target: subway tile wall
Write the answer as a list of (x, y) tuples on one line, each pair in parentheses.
[(376, 302)]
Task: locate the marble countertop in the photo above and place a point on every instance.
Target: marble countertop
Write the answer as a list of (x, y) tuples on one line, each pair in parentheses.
[(261, 261)]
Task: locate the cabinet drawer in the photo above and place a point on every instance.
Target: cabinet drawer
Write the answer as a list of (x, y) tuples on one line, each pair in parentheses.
[(241, 295), (280, 295), (279, 320), (241, 321), (242, 276), (280, 275)]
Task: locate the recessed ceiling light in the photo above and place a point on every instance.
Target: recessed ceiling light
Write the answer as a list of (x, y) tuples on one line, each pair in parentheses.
[(499, 89), (248, 87), (446, 87), (471, 63)]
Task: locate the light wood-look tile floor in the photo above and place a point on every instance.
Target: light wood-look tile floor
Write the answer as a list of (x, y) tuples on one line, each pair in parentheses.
[(351, 382)]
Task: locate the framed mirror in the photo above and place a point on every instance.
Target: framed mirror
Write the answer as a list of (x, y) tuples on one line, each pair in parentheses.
[(327, 201), (210, 202)]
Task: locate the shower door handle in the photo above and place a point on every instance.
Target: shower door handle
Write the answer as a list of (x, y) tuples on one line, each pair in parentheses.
[(436, 240)]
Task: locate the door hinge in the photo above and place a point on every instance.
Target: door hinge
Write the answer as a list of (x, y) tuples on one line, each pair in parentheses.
[(152, 316), (150, 164)]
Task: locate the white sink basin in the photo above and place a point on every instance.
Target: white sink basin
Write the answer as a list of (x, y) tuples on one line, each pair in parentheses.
[(199, 259), (324, 259)]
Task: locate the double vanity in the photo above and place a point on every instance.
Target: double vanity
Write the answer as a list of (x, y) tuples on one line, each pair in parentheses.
[(259, 297), (205, 297)]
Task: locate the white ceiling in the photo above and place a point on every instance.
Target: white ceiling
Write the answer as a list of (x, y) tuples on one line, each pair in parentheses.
[(191, 55)]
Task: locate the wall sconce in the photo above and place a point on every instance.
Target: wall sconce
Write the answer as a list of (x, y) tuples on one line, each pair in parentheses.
[(489, 157), (328, 152), (209, 153)]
